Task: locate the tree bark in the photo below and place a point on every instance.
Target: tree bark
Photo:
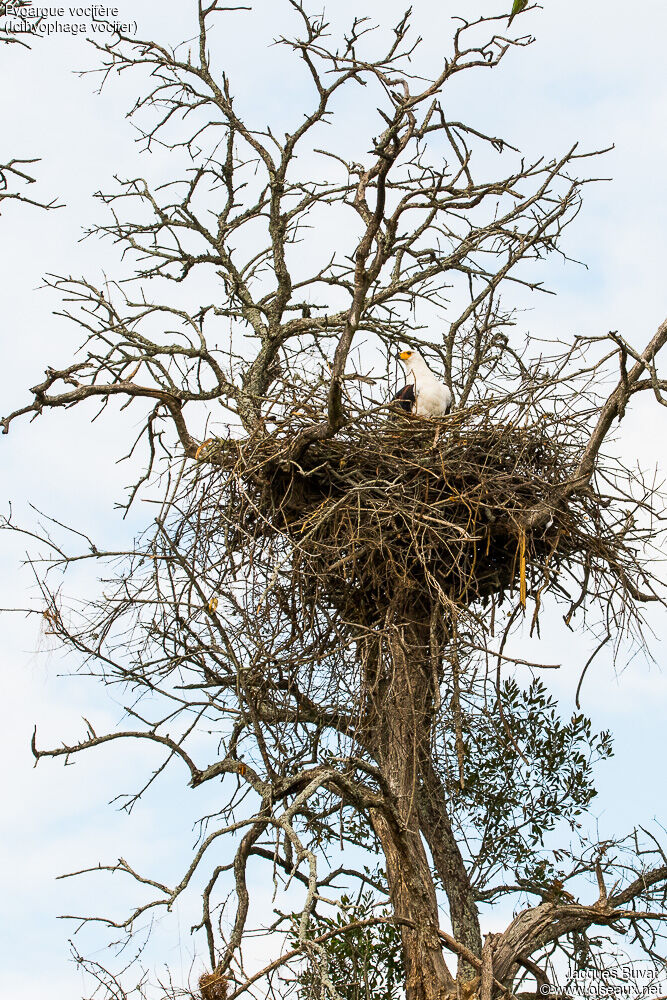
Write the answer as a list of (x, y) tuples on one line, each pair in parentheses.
[(435, 824), (397, 721)]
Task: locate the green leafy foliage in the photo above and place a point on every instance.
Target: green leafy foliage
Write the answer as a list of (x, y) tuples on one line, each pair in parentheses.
[(364, 963), (526, 770)]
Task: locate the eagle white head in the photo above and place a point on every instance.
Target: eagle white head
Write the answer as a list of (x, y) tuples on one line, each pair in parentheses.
[(432, 397), (413, 362)]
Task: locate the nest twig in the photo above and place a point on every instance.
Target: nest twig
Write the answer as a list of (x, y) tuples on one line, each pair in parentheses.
[(423, 510)]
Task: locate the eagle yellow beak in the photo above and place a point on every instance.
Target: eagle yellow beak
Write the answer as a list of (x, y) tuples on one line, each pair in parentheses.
[(404, 355)]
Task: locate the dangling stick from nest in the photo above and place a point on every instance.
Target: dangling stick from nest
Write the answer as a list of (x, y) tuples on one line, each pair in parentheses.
[(522, 567)]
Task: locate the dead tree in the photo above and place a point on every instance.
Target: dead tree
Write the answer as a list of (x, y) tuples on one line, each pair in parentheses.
[(330, 589), (14, 173)]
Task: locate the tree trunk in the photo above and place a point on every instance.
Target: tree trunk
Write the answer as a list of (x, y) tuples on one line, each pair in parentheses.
[(449, 863), (397, 719)]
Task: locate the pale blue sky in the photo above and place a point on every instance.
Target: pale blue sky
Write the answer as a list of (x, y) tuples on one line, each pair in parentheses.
[(594, 75)]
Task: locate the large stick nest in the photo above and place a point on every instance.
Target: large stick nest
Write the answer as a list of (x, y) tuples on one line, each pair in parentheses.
[(403, 510)]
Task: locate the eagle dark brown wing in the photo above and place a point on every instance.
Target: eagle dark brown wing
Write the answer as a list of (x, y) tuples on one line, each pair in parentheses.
[(405, 397)]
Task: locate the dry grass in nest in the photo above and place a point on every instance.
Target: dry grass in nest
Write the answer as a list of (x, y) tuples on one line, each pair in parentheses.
[(213, 986), (419, 508)]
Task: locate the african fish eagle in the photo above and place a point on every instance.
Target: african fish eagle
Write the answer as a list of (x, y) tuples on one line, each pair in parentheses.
[(423, 394), (405, 397)]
